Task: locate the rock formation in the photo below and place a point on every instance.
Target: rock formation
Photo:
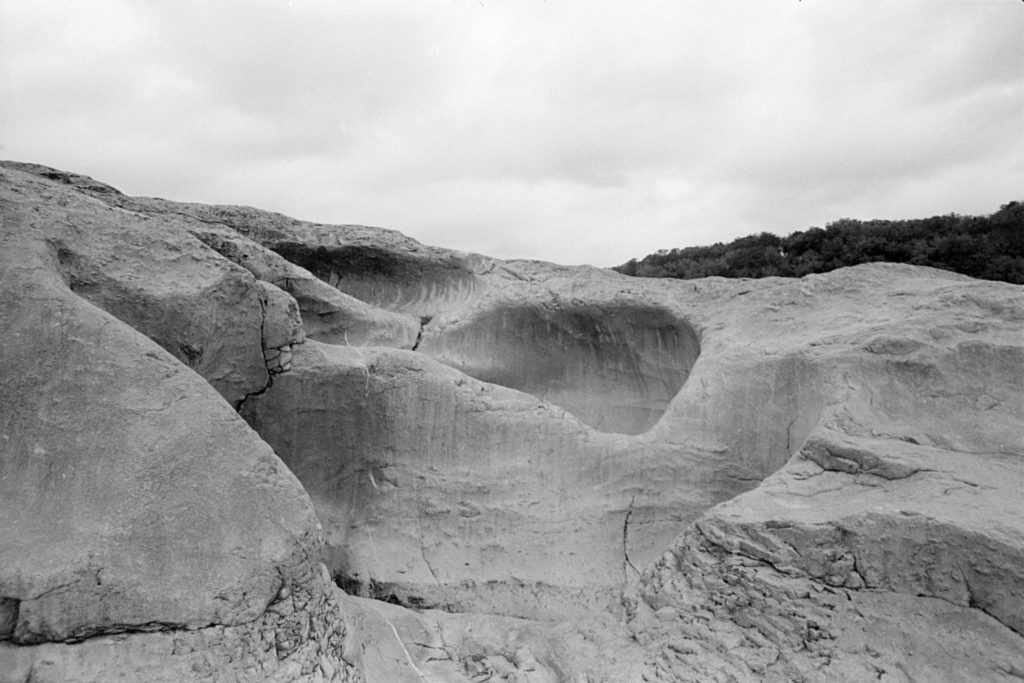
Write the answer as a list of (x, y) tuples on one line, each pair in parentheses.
[(564, 472), (147, 531)]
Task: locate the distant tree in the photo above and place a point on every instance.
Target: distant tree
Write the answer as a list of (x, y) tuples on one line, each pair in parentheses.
[(989, 247)]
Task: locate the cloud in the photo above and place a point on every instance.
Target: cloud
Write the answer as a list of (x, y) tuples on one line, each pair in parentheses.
[(554, 129)]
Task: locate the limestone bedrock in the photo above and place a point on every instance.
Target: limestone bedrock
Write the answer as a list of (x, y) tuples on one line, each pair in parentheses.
[(568, 473), (146, 529)]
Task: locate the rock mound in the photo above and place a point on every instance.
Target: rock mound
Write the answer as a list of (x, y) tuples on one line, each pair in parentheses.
[(146, 526), (568, 473)]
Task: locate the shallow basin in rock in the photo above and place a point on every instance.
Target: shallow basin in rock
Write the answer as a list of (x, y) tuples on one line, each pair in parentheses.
[(615, 367)]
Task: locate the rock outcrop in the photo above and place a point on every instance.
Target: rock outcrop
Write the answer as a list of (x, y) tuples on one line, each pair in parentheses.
[(569, 474), (147, 531)]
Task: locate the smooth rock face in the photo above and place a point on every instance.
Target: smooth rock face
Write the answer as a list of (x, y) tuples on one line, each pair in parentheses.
[(590, 477), (615, 368), (204, 311), (133, 497)]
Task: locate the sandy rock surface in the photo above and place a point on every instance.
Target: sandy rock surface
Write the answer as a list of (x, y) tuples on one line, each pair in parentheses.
[(557, 473)]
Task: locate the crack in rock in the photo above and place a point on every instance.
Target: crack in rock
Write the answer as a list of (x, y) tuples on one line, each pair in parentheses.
[(625, 539)]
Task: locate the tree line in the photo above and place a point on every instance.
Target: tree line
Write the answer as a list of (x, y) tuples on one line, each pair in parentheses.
[(988, 247)]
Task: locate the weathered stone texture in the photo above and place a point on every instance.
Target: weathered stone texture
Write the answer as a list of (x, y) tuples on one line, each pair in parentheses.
[(570, 474), (137, 507)]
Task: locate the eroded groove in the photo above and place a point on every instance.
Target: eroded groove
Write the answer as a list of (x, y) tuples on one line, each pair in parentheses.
[(386, 279)]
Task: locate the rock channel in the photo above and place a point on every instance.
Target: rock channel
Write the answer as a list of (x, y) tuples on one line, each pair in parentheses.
[(229, 438)]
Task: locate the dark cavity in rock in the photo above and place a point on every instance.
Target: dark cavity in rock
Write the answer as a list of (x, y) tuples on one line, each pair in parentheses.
[(389, 280)]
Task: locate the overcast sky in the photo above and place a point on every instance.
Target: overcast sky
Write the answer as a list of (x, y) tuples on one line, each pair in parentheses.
[(563, 130)]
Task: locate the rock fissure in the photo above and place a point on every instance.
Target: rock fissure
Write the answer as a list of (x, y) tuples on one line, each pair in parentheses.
[(789, 436), (424, 321), (119, 629), (241, 406), (626, 562)]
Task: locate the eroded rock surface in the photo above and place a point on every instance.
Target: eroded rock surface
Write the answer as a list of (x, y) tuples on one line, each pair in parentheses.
[(615, 367), (568, 473), (143, 520)]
